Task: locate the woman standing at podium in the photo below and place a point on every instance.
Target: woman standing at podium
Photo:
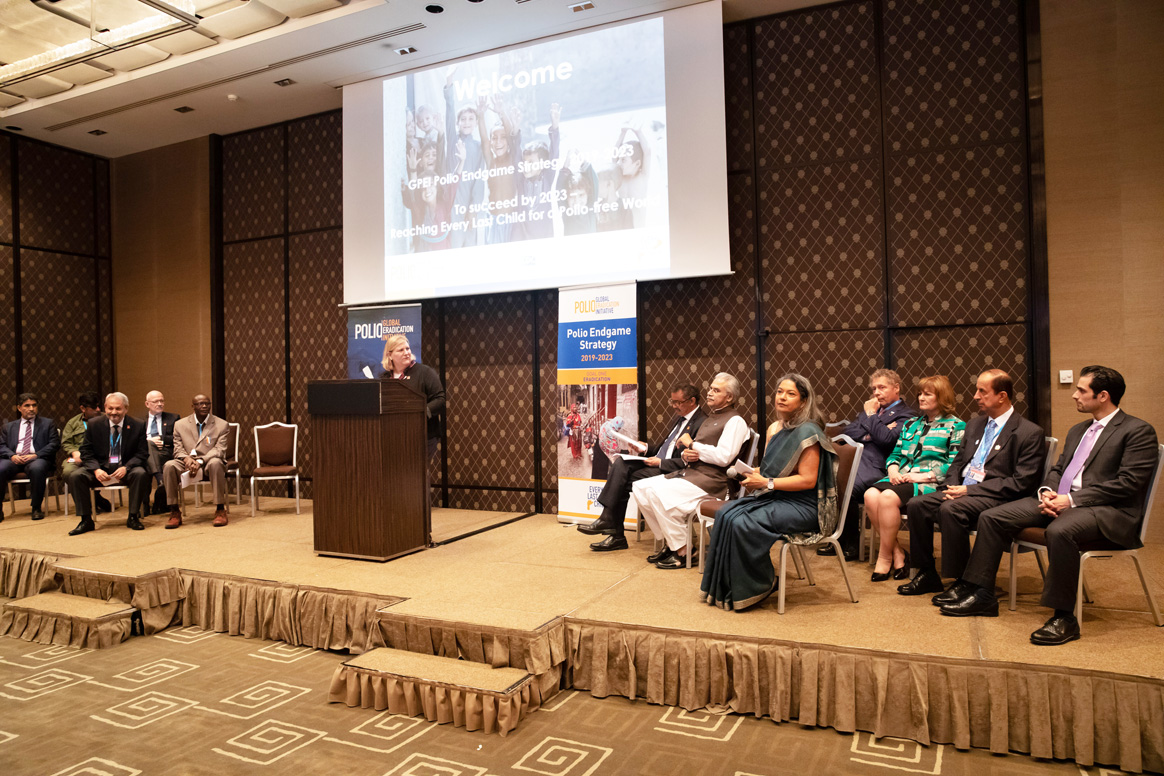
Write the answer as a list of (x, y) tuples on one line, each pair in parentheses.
[(400, 364)]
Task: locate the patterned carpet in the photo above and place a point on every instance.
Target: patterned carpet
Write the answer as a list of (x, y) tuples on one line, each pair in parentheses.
[(189, 701)]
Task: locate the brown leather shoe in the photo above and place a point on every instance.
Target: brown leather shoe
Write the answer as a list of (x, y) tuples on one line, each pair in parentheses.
[(175, 518), (220, 518)]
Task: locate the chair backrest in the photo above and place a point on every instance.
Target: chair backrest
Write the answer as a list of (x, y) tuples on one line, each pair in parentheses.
[(1051, 445), (232, 442), (849, 453), (1150, 495), (276, 444)]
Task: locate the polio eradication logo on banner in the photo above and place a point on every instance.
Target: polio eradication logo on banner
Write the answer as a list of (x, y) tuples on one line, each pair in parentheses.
[(597, 390), (369, 327)]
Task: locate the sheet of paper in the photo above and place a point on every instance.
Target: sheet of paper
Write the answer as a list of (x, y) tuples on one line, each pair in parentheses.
[(186, 480), (626, 457), (634, 443), (742, 468)]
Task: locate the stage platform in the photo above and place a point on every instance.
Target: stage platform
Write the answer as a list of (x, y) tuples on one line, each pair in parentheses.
[(530, 594)]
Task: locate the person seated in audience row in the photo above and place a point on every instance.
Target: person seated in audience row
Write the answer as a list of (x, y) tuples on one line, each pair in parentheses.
[(29, 447), (200, 441), (1000, 462), (113, 452), (794, 493), (665, 502), (924, 450), (160, 435), (877, 427), (89, 406), (623, 474), (1094, 494)]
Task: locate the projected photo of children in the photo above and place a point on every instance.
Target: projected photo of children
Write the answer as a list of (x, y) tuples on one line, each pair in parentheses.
[(562, 138), (595, 423)]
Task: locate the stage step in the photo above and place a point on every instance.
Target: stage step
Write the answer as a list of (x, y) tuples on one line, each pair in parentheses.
[(67, 620), (474, 696)]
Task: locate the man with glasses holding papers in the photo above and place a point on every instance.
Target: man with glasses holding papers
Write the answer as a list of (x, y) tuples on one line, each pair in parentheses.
[(113, 452), (199, 449), (625, 472)]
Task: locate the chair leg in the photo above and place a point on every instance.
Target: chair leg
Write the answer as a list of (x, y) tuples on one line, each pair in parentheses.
[(296, 494), (254, 497), (1148, 591), (796, 564), (57, 493), (1042, 566), (844, 568), (11, 501), (806, 562), (1013, 575), (690, 537), (1079, 594), (66, 487), (238, 488), (862, 531), (783, 577)]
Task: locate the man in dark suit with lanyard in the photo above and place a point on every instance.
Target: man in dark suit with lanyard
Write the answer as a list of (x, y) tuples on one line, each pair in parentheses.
[(877, 427), (29, 447), (113, 452), (660, 460), (160, 444), (1001, 461), (1093, 494)]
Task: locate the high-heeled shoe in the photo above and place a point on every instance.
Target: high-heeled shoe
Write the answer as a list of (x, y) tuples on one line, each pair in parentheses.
[(881, 577), (903, 572)]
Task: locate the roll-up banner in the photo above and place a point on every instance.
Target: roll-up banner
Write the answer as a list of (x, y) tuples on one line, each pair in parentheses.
[(597, 401), (369, 327)]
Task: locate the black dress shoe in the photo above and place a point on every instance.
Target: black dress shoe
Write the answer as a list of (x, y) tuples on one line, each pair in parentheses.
[(134, 522), (877, 576), (826, 551), (1060, 629), (615, 542), (926, 581), (676, 561), (597, 528), (102, 505), (658, 556), (955, 592), (903, 572), (85, 526), (37, 514), (978, 603), (160, 508), (850, 553)]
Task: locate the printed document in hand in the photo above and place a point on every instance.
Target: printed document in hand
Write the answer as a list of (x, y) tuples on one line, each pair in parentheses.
[(742, 468)]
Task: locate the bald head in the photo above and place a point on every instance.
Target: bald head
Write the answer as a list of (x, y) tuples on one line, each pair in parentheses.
[(155, 402)]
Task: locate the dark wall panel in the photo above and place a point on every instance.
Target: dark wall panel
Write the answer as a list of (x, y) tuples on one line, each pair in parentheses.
[(315, 195), (56, 199), (547, 334), (103, 204), (253, 184), (59, 345), (491, 500), (8, 345), (737, 77), (5, 189), (105, 325), (838, 365), (253, 327)]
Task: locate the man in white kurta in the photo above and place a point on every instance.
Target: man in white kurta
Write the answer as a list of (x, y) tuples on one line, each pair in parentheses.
[(665, 502)]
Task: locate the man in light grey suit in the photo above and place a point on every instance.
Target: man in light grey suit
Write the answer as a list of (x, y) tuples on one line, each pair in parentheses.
[(199, 450), (1093, 495)]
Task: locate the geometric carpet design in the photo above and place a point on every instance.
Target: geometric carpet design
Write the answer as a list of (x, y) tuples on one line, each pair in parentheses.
[(188, 701)]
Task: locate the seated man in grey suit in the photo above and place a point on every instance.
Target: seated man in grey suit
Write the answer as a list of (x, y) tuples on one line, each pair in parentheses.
[(664, 459), (199, 448), (1000, 461), (113, 452), (29, 447), (1095, 493)]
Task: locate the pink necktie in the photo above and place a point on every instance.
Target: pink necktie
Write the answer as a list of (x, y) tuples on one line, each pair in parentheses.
[(1080, 457), (26, 445)]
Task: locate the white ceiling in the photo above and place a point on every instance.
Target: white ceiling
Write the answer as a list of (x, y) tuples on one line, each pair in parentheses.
[(134, 96)]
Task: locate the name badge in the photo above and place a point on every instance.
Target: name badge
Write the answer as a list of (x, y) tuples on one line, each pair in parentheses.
[(977, 472), (114, 458)]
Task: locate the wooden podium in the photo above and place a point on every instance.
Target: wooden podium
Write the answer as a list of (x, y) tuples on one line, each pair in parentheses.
[(369, 468)]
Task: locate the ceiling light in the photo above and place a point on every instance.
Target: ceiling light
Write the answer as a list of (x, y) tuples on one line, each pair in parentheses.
[(284, 82), (405, 50), (585, 5), (184, 109), (14, 129), (98, 132), (476, 1), (434, 8)]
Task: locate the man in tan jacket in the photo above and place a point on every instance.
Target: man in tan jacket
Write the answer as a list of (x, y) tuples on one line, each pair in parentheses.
[(200, 451)]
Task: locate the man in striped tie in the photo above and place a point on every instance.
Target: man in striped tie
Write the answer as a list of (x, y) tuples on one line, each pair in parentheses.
[(29, 446), (1093, 494)]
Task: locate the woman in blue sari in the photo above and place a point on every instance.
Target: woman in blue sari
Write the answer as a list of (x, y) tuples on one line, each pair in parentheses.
[(793, 494)]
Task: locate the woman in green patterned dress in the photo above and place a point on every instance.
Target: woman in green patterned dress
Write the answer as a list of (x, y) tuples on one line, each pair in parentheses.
[(925, 449)]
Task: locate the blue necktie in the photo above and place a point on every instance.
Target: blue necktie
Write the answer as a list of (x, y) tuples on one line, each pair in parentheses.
[(154, 426)]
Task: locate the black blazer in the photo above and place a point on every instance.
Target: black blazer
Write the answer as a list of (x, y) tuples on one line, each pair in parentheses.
[(879, 439), (168, 420), (46, 440), (1013, 465), (95, 445), (675, 462), (1115, 475)]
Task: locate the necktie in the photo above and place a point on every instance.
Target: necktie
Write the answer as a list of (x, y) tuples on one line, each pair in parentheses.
[(115, 443), (1080, 457), (979, 459), (669, 442), (26, 443), (154, 426)]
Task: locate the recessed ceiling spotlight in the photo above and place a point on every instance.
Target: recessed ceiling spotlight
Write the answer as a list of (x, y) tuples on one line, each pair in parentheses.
[(406, 50), (98, 132), (434, 8), (476, 1), (184, 109), (284, 82), (585, 5), (14, 129)]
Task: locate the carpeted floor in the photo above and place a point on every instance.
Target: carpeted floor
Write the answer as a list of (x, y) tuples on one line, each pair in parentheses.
[(189, 702)]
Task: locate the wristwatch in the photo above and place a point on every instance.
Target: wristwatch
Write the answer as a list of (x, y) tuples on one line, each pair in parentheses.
[(771, 484)]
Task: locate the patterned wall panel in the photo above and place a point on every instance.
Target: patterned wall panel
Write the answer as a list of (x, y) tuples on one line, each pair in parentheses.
[(547, 302), (958, 236), (253, 328), (103, 204), (961, 354), (105, 324), (315, 172), (737, 81), (664, 373), (59, 345), (822, 254), (838, 365), (953, 73), (8, 345), (491, 500), (253, 192), (816, 86), (317, 326), (5, 189), (489, 374), (430, 354), (56, 199)]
